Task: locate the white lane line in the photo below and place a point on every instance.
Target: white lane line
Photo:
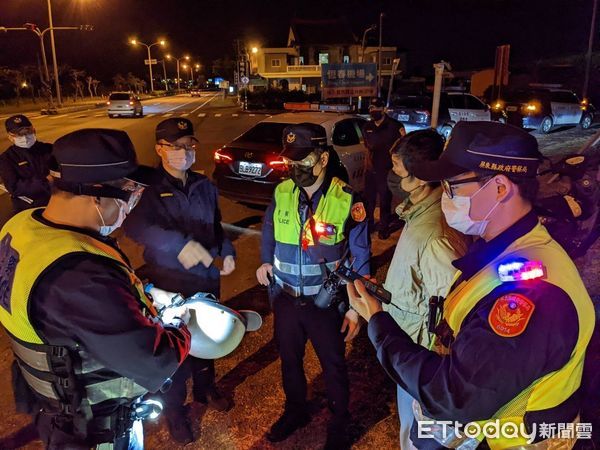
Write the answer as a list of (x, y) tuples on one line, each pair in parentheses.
[(179, 106), (150, 115), (234, 115), (252, 115), (218, 115), (167, 115), (205, 103), (202, 115), (58, 116), (99, 115), (185, 114)]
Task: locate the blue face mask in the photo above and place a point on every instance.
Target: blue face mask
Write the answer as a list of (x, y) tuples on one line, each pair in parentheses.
[(105, 230), (26, 141)]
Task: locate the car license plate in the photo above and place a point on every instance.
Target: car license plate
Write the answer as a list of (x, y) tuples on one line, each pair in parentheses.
[(253, 169), (511, 108), (403, 117)]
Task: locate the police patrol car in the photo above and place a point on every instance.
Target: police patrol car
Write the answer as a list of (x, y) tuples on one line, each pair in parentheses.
[(248, 168)]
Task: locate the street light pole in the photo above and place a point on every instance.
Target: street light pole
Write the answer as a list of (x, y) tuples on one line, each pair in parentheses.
[(58, 96), (588, 58), (379, 55), (165, 75), (362, 47), (148, 47)]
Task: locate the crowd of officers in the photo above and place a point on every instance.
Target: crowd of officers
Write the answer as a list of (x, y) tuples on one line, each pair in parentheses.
[(489, 319)]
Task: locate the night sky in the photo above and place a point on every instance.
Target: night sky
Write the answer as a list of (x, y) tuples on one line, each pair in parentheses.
[(464, 32)]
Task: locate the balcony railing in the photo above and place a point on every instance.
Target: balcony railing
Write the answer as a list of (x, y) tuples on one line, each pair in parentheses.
[(304, 68)]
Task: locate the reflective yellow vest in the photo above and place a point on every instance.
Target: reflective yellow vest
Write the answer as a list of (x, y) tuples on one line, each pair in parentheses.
[(296, 270), (554, 388)]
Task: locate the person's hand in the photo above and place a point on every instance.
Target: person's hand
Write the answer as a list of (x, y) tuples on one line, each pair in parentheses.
[(160, 297), (171, 314), (228, 265), (352, 324), (192, 254), (364, 303), (261, 274)]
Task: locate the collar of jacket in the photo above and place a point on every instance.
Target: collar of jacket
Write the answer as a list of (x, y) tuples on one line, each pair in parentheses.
[(408, 211), (481, 253), (173, 182)]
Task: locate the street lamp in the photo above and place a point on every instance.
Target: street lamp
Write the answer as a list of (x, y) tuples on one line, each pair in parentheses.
[(255, 50), (169, 57), (371, 28), (162, 43)]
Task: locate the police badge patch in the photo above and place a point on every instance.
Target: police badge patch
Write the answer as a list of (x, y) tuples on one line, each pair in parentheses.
[(290, 138), (510, 315), (358, 212), (8, 265), (182, 125)]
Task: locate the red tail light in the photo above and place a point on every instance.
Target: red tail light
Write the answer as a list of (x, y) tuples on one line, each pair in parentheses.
[(221, 157), (277, 163)]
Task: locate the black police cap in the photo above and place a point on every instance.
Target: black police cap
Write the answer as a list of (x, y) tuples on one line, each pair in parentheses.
[(97, 155), (301, 139), (16, 122), (174, 128), (489, 147)]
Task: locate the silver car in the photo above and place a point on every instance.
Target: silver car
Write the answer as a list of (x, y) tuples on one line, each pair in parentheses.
[(124, 104)]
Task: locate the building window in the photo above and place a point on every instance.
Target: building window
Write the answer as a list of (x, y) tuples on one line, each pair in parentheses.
[(346, 59), (387, 61), (323, 58), (275, 63)]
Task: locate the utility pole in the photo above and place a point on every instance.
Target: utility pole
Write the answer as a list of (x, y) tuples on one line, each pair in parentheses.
[(588, 58), (56, 80), (379, 55)]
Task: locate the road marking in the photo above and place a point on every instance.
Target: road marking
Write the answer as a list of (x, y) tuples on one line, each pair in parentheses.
[(185, 115), (234, 115), (167, 115), (99, 115), (218, 115), (58, 116), (179, 106), (202, 115), (150, 115), (252, 115), (205, 103)]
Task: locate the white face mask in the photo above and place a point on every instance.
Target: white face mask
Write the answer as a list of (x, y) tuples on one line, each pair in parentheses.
[(26, 141), (457, 212), (105, 230), (181, 159)]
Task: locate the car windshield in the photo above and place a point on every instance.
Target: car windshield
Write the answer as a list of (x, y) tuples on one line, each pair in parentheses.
[(120, 96), (265, 132)]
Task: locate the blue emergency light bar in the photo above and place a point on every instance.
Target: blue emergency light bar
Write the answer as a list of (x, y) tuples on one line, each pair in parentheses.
[(521, 271)]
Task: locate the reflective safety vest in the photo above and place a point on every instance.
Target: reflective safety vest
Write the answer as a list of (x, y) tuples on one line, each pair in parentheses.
[(66, 377), (298, 270), (556, 387)]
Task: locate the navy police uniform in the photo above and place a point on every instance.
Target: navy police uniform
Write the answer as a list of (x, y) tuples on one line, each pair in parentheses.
[(301, 257), (169, 215), (24, 171), (86, 340), (514, 328), (379, 139)]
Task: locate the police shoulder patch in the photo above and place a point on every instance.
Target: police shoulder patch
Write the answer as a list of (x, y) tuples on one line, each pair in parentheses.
[(358, 212), (511, 314)]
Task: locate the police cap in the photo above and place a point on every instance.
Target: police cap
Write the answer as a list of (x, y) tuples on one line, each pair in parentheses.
[(94, 156), (16, 122), (489, 147), (302, 139), (174, 128), (376, 102)]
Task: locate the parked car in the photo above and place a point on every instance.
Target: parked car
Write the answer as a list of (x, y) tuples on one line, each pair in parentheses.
[(414, 111), (124, 104), (545, 109), (248, 168)]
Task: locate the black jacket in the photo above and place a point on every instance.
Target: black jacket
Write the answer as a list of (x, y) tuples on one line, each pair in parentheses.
[(168, 216), (24, 171)]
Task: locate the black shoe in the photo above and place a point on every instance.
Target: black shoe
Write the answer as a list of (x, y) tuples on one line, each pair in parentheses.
[(337, 437), (179, 426), (286, 425), (215, 400)]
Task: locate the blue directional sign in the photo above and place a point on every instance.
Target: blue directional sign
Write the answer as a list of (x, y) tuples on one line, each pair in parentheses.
[(349, 80)]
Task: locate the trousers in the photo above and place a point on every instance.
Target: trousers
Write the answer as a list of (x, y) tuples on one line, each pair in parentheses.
[(202, 372), (296, 321), (376, 187)]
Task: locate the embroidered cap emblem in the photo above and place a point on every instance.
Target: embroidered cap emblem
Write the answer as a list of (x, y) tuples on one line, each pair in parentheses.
[(290, 138), (182, 125)]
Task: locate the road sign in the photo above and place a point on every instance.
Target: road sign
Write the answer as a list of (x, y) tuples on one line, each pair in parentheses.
[(245, 80), (349, 80), (150, 61)]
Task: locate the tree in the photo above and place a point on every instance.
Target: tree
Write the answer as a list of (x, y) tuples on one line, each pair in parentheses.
[(95, 84), (89, 80), (15, 78), (119, 82), (77, 83)]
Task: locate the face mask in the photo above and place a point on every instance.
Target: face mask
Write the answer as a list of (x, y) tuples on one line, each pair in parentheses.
[(26, 141), (394, 183), (181, 159), (303, 176), (105, 230), (376, 115), (457, 209)]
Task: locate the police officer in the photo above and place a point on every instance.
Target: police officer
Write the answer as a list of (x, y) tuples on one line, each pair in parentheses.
[(510, 345), (24, 165), (179, 224), (380, 134), (312, 221), (86, 339)]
